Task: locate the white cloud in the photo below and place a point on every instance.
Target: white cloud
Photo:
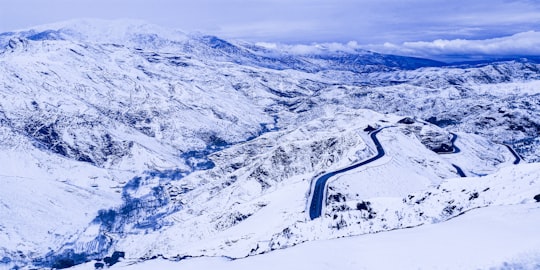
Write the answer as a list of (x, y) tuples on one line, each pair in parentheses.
[(314, 48), (520, 44), (293, 21)]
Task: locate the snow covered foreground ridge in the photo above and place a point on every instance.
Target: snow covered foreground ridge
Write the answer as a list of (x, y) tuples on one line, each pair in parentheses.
[(161, 144)]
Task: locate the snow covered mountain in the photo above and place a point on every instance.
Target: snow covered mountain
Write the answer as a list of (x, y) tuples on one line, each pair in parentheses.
[(127, 139)]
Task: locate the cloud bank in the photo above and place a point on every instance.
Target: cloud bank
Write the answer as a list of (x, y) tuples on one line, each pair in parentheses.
[(450, 50), (439, 28), (520, 44), (314, 48), (298, 21)]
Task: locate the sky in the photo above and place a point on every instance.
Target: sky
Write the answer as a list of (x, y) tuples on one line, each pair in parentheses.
[(411, 27)]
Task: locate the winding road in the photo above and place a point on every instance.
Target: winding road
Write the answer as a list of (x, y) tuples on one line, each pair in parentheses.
[(318, 194), (453, 140), (317, 199), (455, 151), (459, 170), (516, 155)]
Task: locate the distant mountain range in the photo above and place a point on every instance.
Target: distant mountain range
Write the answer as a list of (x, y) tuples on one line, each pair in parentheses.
[(127, 137)]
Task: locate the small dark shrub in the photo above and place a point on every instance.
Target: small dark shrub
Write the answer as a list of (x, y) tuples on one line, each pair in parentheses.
[(363, 206)]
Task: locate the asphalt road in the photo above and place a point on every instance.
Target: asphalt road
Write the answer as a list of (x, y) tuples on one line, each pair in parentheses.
[(459, 170), (318, 196), (516, 155), (453, 140), (455, 149)]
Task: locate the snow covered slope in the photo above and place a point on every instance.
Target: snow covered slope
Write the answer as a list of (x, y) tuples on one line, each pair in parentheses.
[(151, 142), (499, 101), (496, 237)]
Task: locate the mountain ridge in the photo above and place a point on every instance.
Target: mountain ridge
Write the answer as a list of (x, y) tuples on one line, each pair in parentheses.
[(147, 36), (187, 143)]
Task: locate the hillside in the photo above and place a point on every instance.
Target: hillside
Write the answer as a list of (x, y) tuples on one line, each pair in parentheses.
[(127, 137)]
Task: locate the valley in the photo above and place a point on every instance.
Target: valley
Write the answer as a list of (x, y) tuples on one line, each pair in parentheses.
[(164, 146)]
